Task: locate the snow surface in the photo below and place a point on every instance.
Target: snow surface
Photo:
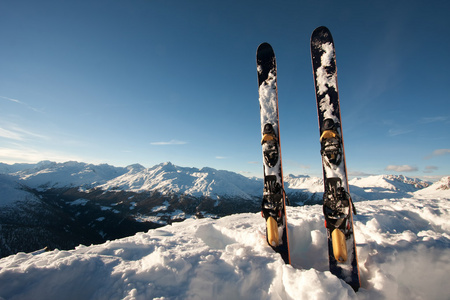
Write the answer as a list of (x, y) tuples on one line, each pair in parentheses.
[(11, 191), (403, 247)]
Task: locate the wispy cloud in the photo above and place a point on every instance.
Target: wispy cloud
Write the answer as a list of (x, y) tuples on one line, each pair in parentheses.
[(221, 157), (438, 152), (171, 142), (21, 154), (433, 119), (358, 173), (20, 102), (398, 131), (430, 169), (402, 168), (8, 134), (16, 133)]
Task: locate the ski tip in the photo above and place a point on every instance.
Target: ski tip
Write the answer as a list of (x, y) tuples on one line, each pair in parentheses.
[(264, 47), (321, 30), (321, 33)]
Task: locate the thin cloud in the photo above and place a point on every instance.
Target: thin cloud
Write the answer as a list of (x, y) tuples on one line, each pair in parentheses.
[(430, 169), (358, 173), (402, 168), (171, 142), (399, 131), (8, 134), (22, 154), (221, 157), (438, 152), (19, 134), (20, 102), (433, 119)]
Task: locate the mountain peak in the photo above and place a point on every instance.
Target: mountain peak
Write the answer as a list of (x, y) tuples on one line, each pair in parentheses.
[(167, 166), (443, 184), (135, 168), (437, 189)]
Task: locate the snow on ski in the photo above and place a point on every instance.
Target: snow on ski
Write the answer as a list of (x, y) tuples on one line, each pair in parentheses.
[(337, 206), (273, 205)]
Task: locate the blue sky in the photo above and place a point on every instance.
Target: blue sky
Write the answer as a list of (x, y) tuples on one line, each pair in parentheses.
[(123, 82)]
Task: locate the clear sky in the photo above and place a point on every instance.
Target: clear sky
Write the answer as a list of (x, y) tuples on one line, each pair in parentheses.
[(123, 82)]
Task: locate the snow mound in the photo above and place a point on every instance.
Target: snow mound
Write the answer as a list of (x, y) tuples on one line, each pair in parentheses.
[(403, 247)]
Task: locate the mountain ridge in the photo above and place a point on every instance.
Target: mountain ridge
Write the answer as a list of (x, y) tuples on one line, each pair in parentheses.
[(167, 177)]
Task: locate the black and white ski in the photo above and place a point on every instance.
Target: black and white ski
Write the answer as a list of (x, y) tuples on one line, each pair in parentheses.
[(273, 205), (337, 203)]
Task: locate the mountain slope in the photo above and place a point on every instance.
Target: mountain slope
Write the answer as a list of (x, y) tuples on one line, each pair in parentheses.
[(385, 187), (167, 177), (12, 191), (205, 182), (440, 188), (46, 174)]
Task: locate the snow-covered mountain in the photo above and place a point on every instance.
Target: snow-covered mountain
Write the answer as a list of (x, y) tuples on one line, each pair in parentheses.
[(167, 177), (385, 187), (440, 188), (12, 191), (303, 183), (403, 248), (206, 182), (47, 174)]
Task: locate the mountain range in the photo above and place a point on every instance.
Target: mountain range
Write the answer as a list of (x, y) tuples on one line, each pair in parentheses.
[(61, 205)]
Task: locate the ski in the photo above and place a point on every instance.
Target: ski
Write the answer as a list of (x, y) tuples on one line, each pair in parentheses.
[(273, 206), (338, 208)]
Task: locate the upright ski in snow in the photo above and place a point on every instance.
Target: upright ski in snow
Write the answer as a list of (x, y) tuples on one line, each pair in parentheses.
[(273, 205), (337, 203)]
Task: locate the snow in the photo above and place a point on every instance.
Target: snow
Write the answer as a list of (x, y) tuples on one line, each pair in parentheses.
[(168, 178), (403, 248), (440, 188), (80, 201), (11, 191), (268, 101), (48, 174), (162, 207), (326, 80), (305, 183)]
